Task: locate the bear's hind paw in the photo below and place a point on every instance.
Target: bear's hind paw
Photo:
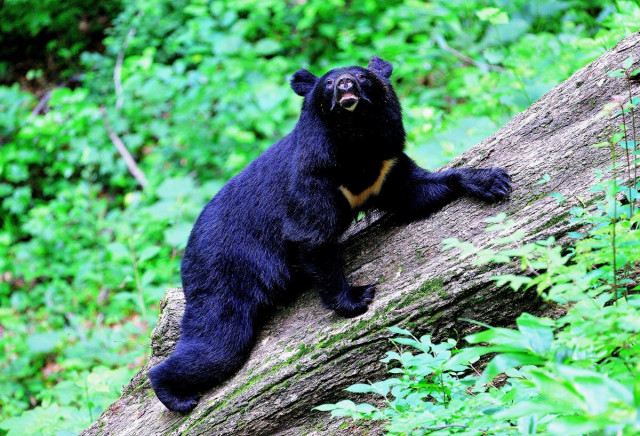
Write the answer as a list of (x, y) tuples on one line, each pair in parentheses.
[(357, 301)]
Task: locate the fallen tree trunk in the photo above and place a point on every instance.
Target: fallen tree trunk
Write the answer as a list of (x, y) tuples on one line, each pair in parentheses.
[(305, 355)]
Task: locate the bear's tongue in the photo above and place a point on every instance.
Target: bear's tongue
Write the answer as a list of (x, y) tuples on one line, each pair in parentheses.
[(349, 101)]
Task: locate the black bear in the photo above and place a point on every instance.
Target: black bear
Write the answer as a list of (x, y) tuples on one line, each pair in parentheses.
[(281, 217)]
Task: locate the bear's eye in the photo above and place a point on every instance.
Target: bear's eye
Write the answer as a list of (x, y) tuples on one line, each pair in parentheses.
[(329, 83), (361, 77)]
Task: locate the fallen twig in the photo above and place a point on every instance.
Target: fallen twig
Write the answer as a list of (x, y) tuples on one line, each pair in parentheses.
[(463, 57), (122, 149), (41, 107), (117, 72)]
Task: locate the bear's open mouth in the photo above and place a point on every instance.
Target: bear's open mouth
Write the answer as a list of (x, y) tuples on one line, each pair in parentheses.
[(349, 101)]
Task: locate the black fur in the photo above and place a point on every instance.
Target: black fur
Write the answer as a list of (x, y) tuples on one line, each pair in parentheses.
[(284, 213)]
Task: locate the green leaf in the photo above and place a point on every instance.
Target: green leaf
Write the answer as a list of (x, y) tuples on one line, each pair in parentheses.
[(228, 45), (537, 332), (515, 282), (528, 424), (524, 408), (506, 361), (545, 179), (399, 331), (493, 15), (626, 64), (628, 145), (148, 253), (617, 136), (383, 387), (496, 335), (118, 251), (43, 342), (616, 73), (361, 388), (576, 425), (346, 404), (176, 187), (408, 341), (267, 46), (558, 389), (342, 412), (365, 408), (177, 236), (557, 196), (325, 407)]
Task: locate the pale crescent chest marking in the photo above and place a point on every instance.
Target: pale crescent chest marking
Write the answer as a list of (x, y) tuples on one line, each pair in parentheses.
[(357, 200)]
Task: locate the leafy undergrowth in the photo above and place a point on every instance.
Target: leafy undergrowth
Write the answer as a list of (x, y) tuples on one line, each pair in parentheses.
[(578, 374), (86, 253)]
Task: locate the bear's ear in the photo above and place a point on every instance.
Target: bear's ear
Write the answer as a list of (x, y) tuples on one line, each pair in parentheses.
[(380, 67), (303, 82)]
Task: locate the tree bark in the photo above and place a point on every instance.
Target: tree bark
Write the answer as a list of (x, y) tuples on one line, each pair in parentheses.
[(305, 355)]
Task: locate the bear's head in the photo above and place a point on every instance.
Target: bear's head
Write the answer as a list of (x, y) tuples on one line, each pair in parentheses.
[(346, 90)]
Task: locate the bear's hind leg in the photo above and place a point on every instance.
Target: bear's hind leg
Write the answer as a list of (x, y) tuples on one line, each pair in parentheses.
[(213, 345)]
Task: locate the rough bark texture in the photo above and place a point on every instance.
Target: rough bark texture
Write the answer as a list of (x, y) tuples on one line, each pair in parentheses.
[(305, 355)]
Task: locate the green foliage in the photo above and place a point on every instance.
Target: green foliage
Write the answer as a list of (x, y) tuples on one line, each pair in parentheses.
[(574, 375), (59, 413), (49, 32), (85, 254)]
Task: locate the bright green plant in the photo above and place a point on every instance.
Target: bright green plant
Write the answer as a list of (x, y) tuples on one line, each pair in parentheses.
[(51, 34), (574, 375)]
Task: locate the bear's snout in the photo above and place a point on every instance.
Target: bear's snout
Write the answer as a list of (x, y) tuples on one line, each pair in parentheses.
[(345, 82), (347, 92)]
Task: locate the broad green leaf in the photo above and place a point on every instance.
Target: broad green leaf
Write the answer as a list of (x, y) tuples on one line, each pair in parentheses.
[(399, 331), (346, 404), (545, 179), (536, 331), (528, 424), (616, 73), (361, 388), (365, 408), (148, 253), (514, 281), (557, 196), (267, 46), (493, 15), (504, 361), (407, 341), (325, 407), (44, 342), (576, 425), (628, 145)]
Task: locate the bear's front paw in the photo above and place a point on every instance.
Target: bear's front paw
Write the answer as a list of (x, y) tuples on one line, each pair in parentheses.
[(493, 184), (356, 301)]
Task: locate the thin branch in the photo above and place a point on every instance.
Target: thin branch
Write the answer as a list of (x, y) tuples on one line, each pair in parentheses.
[(41, 107), (122, 149), (117, 72), (442, 44)]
